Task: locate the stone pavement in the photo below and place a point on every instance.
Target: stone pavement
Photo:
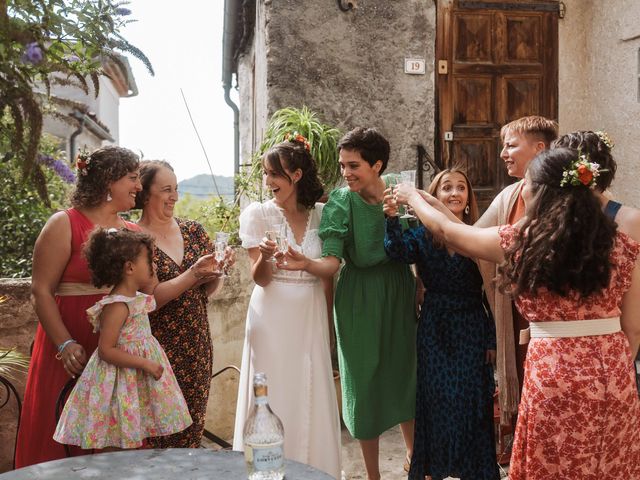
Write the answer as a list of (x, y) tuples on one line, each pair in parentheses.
[(392, 454)]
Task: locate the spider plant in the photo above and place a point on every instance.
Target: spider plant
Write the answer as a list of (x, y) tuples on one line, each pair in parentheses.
[(323, 140)]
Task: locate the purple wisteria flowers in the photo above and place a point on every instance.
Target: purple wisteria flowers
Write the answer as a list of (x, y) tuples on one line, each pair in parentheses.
[(58, 166), (123, 11), (32, 54)]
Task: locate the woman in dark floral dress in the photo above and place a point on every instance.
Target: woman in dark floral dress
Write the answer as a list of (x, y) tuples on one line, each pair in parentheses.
[(181, 326), (456, 346)]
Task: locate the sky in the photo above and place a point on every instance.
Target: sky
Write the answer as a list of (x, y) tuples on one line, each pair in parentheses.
[(183, 40)]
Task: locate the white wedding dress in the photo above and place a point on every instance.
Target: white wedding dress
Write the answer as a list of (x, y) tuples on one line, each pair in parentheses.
[(287, 337)]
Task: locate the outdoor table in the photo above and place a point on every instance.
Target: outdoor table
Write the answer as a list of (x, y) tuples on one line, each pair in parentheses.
[(172, 463)]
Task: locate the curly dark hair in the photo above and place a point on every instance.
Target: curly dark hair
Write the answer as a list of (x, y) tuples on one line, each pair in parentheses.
[(598, 151), (293, 155), (104, 166), (148, 171), (108, 250), (566, 240), (369, 143)]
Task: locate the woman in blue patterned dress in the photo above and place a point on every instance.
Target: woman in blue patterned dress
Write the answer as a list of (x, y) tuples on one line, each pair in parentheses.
[(455, 345)]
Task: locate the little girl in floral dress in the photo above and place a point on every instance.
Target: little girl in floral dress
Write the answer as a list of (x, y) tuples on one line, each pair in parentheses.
[(127, 392)]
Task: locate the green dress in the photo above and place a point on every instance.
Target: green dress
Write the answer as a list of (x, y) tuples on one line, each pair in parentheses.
[(374, 317)]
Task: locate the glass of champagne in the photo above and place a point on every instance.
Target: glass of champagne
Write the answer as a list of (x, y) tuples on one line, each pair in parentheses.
[(393, 183), (408, 177), (273, 227), (282, 240), (222, 241)]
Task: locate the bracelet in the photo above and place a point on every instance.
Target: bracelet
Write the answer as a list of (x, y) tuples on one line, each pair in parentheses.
[(62, 346)]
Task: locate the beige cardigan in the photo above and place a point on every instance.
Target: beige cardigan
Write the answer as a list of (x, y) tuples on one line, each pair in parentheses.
[(501, 305)]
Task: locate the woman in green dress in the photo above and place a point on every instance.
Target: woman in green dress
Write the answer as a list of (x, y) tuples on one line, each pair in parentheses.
[(374, 300)]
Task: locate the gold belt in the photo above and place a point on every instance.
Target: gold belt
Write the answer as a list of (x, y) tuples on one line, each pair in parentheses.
[(68, 289)]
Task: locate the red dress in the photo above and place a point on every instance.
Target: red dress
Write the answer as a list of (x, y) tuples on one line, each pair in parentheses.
[(46, 375), (579, 413)]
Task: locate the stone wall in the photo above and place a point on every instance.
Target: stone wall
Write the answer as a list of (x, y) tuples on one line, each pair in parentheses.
[(599, 75), (227, 313), (318, 56), (17, 328)]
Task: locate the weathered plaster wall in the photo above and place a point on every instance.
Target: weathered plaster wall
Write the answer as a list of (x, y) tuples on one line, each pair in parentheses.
[(226, 311), (599, 81), (349, 67), (252, 72)]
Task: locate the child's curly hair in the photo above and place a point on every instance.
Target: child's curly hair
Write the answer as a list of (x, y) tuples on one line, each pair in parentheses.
[(108, 250)]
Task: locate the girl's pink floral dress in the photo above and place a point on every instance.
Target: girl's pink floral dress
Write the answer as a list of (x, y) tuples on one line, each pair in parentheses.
[(119, 407)]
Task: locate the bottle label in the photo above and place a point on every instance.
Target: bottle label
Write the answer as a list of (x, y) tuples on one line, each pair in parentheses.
[(267, 458)]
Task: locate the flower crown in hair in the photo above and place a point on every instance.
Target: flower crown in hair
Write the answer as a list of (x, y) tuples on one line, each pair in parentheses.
[(297, 137), (581, 172), (605, 138), (82, 162)]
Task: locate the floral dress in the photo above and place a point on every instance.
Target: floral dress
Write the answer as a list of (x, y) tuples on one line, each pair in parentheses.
[(182, 328), (579, 413), (117, 406), (454, 388)]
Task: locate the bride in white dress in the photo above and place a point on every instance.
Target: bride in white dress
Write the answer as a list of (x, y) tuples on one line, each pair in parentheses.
[(287, 331)]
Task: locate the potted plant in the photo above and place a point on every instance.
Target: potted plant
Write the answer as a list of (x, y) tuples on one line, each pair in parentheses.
[(323, 140)]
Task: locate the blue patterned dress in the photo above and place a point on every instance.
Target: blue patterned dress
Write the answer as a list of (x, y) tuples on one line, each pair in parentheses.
[(454, 398)]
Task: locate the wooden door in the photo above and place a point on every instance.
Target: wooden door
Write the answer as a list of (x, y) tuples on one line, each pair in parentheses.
[(495, 62)]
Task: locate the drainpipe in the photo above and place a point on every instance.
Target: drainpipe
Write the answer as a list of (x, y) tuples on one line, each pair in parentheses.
[(231, 12), (72, 139)]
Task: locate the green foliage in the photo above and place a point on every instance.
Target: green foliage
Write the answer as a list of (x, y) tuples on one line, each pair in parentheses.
[(322, 138), (12, 363), (57, 42), (23, 212), (215, 215), (22, 215)]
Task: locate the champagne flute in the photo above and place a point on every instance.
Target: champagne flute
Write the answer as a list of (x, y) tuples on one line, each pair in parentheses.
[(393, 183), (408, 177), (222, 241), (282, 240), (273, 227)]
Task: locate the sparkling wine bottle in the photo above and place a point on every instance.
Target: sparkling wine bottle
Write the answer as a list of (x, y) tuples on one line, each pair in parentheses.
[(263, 437)]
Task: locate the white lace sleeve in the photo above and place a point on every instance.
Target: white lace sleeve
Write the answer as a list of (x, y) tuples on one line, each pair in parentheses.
[(252, 225)]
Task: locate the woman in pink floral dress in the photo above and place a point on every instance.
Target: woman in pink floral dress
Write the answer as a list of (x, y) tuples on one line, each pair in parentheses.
[(577, 281)]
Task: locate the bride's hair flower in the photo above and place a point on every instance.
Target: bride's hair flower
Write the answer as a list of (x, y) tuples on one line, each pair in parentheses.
[(297, 137)]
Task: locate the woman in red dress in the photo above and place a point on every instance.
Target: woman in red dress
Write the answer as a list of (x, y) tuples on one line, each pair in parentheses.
[(576, 279), (61, 291)]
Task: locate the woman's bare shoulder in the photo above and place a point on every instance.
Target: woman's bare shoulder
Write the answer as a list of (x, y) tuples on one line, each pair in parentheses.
[(628, 220)]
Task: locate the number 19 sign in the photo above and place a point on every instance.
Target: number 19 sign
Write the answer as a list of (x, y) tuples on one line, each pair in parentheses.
[(414, 66)]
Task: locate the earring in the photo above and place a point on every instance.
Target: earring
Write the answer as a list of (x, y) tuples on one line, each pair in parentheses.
[(109, 197), (466, 209)]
